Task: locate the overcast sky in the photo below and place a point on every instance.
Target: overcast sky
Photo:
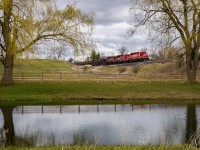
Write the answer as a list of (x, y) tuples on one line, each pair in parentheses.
[(112, 21)]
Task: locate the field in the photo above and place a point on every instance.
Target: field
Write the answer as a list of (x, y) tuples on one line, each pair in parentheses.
[(39, 65), (80, 83), (92, 92), (44, 65), (38, 70)]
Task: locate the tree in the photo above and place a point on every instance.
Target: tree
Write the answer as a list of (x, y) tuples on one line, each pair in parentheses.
[(169, 21), (94, 55), (25, 23), (58, 52), (165, 54), (123, 50)]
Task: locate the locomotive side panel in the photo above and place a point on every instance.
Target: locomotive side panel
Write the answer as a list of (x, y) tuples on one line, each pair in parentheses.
[(132, 57)]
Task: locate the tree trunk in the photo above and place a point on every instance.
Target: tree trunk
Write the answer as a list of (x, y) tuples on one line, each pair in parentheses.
[(192, 65), (8, 64), (191, 126), (8, 125), (191, 76)]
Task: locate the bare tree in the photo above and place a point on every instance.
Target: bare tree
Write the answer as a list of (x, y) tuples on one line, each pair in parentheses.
[(58, 52), (169, 53), (169, 21), (25, 23), (123, 50)]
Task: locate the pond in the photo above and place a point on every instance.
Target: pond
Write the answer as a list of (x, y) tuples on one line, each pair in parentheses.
[(98, 124)]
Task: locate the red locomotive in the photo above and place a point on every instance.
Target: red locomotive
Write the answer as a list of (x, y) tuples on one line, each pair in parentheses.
[(127, 58)]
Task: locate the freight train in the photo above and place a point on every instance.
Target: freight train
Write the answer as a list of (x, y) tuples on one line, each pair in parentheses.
[(119, 59), (127, 58)]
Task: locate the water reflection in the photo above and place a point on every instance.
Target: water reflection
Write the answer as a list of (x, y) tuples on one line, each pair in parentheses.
[(98, 124), (8, 134), (191, 125)]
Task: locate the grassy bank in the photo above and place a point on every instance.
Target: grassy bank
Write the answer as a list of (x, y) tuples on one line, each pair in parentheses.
[(46, 65), (176, 147), (39, 65), (92, 92)]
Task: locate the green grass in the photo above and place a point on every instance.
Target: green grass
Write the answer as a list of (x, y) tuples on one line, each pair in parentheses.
[(152, 68), (89, 92), (39, 65), (149, 147), (45, 65)]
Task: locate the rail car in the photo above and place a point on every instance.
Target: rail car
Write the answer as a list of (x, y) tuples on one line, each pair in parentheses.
[(127, 58)]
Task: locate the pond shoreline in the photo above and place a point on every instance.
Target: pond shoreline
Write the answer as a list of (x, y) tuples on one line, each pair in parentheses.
[(148, 147), (103, 93), (96, 101)]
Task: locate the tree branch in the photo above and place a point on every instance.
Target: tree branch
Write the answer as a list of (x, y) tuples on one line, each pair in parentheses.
[(37, 39), (175, 21), (3, 48)]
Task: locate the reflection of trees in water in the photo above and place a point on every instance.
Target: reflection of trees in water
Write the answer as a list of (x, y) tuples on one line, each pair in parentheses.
[(8, 126), (10, 138), (84, 138), (174, 132), (26, 141), (51, 139), (191, 125)]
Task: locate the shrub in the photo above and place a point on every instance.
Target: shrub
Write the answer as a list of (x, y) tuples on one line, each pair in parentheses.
[(122, 69), (136, 69)]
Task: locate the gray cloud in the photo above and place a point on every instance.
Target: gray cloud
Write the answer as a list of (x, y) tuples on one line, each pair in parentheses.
[(112, 22), (106, 11)]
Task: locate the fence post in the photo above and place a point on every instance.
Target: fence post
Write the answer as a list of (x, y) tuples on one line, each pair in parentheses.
[(60, 77), (149, 79), (132, 78), (79, 77), (115, 78), (97, 76), (42, 77), (166, 77), (22, 77), (182, 77)]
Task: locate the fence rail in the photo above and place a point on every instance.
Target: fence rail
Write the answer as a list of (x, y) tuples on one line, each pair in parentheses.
[(100, 77)]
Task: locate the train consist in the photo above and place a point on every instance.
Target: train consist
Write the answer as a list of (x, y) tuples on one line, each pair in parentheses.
[(127, 58)]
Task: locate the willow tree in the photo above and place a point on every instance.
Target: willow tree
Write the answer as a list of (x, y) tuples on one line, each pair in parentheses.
[(171, 20), (25, 23)]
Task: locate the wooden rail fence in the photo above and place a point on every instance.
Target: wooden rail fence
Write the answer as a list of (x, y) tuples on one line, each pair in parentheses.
[(100, 77), (78, 108)]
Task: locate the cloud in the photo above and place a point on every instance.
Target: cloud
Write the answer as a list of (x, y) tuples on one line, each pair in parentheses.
[(112, 22), (106, 11)]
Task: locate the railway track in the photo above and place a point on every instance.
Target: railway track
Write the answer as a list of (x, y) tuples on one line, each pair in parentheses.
[(141, 63)]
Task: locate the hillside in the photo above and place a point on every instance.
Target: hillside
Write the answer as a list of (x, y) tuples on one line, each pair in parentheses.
[(151, 68), (42, 65), (39, 65)]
